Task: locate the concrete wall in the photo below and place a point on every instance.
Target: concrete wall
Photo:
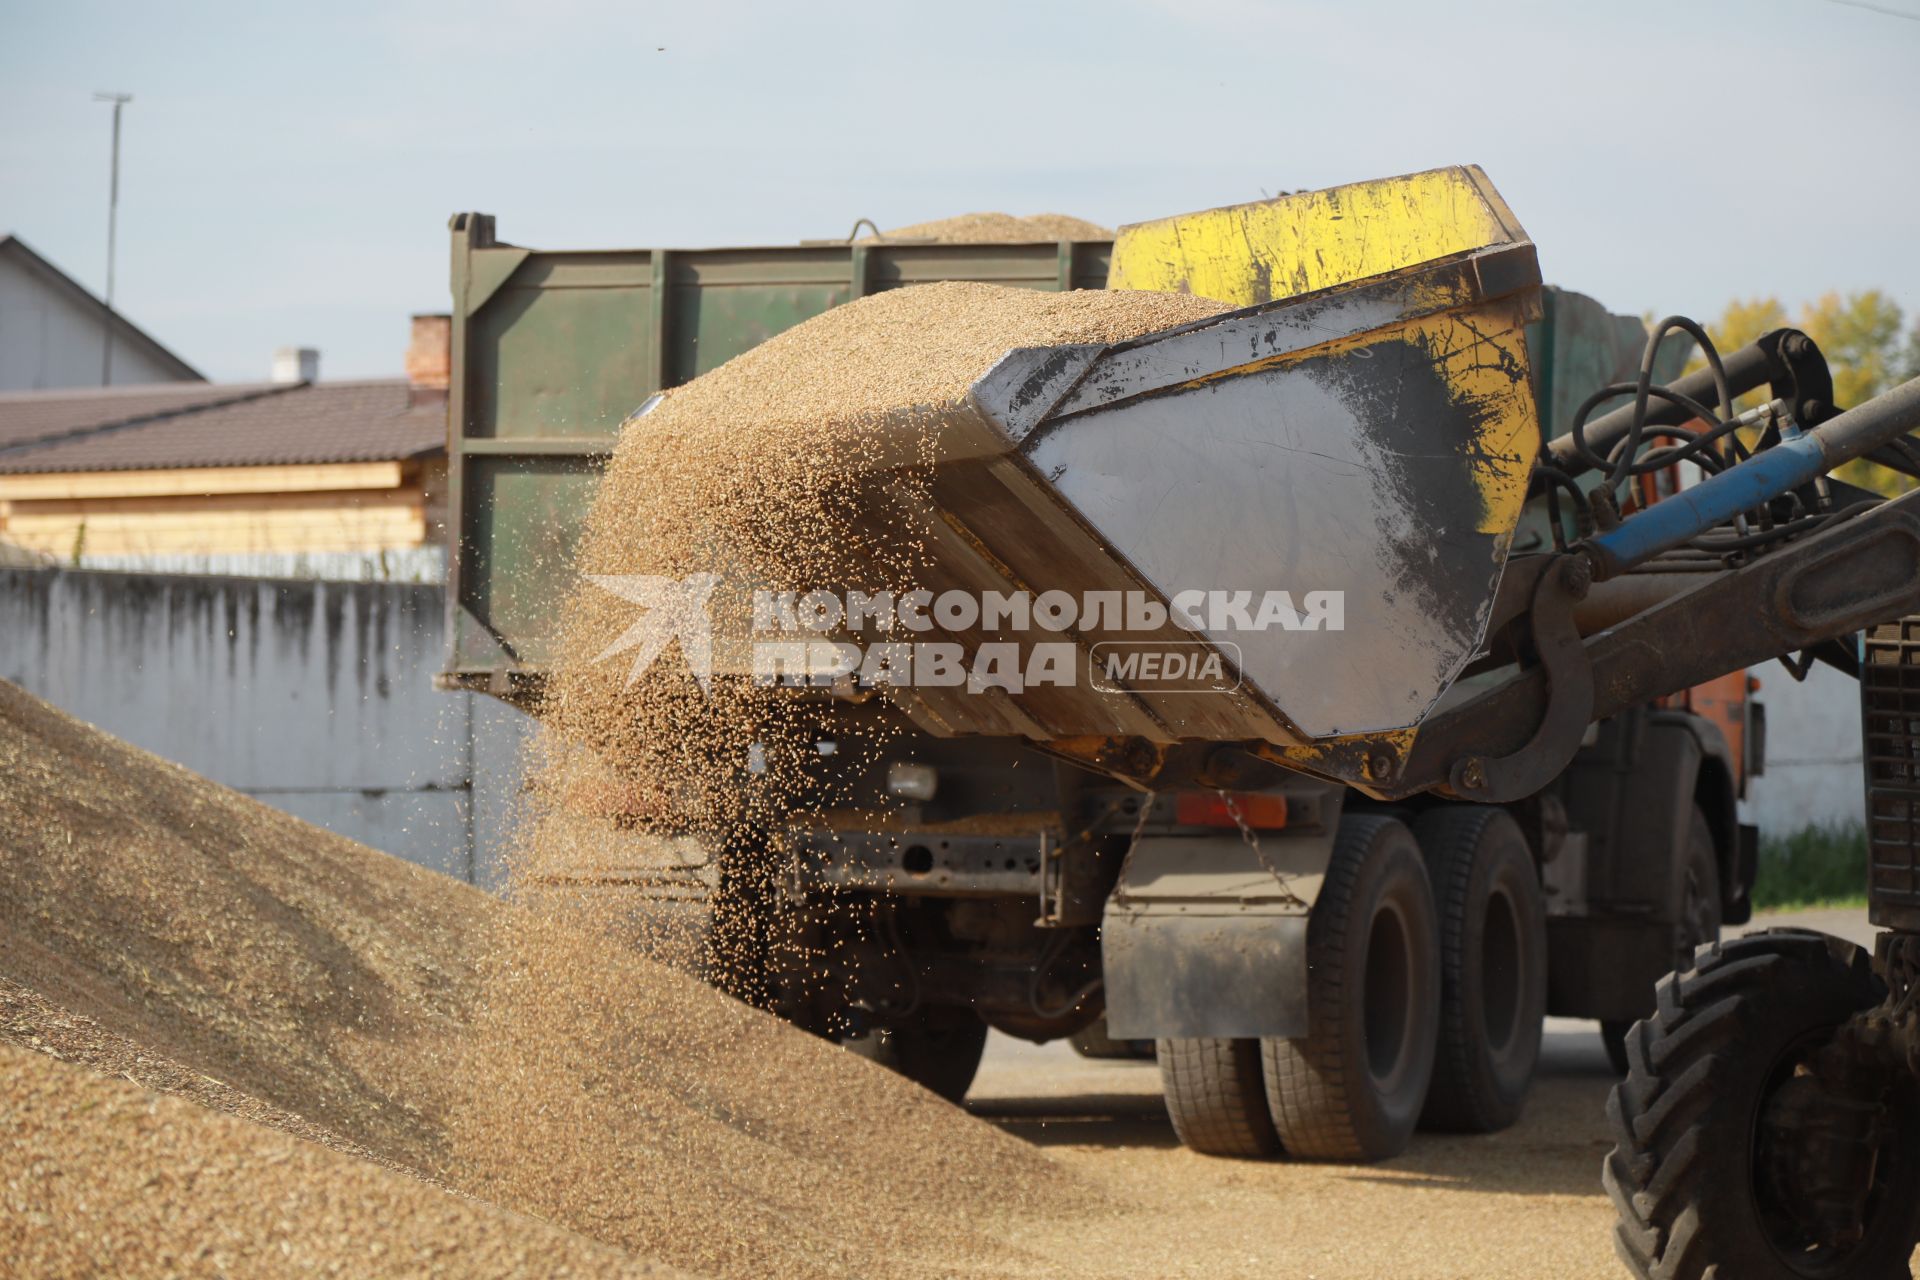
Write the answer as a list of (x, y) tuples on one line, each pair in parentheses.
[(49, 339), (312, 696), (1813, 752)]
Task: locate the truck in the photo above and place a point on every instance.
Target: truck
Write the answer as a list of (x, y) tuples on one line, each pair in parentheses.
[(1339, 876)]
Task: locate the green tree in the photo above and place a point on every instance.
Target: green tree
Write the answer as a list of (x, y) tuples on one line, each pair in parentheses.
[(1860, 335), (1746, 319)]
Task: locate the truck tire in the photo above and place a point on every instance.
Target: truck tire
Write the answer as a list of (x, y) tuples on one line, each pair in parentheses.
[(1215, 1096), (939, 1051), (1697, 911), (1493, 967), (1353, 1087), (1698, 1177)]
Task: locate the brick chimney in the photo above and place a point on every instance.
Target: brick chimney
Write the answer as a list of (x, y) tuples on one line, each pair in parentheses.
[(430, 353)]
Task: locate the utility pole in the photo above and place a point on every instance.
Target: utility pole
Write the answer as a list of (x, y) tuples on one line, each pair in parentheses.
[(119, 100)]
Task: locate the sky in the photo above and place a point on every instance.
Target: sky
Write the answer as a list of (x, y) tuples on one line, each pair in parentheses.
[(288, 169)]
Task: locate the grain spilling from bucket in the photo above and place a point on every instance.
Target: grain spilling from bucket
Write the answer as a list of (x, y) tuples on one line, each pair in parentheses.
[(799, 464)]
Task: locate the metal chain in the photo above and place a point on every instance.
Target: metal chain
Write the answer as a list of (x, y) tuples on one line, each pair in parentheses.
[(1133, 842), (1247, 834), (1252, 841)]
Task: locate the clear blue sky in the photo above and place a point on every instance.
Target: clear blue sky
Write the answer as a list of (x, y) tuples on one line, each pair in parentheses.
[(288, 169)]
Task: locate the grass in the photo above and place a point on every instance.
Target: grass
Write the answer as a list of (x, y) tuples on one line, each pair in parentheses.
[(1824, 866)]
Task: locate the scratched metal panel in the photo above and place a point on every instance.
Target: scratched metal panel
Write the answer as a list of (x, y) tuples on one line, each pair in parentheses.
[(1346, 473)]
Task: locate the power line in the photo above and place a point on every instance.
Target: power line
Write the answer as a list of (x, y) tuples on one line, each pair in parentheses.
[(1870, 7)]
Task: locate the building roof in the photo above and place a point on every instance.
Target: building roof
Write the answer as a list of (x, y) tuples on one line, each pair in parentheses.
[(168, 425), (30, 416), (124, 330)]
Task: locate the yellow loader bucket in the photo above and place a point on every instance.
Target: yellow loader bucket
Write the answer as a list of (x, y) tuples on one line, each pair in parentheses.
[(1281, 248), (1363, 433)]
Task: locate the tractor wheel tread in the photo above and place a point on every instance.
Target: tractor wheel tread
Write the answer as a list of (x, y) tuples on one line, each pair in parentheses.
[(1695, 1069)]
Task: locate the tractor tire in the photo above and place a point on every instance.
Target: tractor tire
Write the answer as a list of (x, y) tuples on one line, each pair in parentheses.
[(940, 1052), (1696, 910), (1701, 1177), (1354, 1086), (1493, 967), (1215, 1096)]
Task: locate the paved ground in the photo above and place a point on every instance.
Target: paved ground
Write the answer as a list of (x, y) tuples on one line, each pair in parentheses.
[(1525, 1203)]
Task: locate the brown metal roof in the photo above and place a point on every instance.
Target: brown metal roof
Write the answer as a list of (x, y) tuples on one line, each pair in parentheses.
[(27, 416), (163, 426)]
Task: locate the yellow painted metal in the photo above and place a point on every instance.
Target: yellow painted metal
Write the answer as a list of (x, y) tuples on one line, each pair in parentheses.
[(1248, 253), (1254, 253), (1475, 349), (1475, 354)]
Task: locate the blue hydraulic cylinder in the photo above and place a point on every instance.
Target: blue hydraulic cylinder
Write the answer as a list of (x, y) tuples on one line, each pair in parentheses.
[(1798, 460)]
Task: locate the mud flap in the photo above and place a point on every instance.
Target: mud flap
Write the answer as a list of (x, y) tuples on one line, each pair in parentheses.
[(1205, 936)]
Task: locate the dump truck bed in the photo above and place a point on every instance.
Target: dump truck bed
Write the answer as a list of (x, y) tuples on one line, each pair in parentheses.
[(553, 350)]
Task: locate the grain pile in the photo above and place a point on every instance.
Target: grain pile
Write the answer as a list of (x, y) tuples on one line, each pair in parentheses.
[(31, 1021), (227, 940), (1000, 228), (169, 931), (104, 1178), (642, 1107)]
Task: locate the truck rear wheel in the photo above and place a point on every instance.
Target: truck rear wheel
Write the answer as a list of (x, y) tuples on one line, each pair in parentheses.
[(1353, 1087), (940, 1050), (1731, 1157), (1493, 967), (1215, 1096)]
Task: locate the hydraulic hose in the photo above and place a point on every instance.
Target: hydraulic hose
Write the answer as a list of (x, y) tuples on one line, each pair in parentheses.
[(1796, 460)]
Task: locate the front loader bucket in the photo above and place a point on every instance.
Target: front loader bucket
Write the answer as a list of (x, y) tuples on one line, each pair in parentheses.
[(1332, 478)]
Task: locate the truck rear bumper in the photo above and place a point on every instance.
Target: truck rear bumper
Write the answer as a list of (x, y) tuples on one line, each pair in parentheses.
[(923, 864)]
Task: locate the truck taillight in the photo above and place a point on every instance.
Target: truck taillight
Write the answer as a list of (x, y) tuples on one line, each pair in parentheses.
[(1257, 809)]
